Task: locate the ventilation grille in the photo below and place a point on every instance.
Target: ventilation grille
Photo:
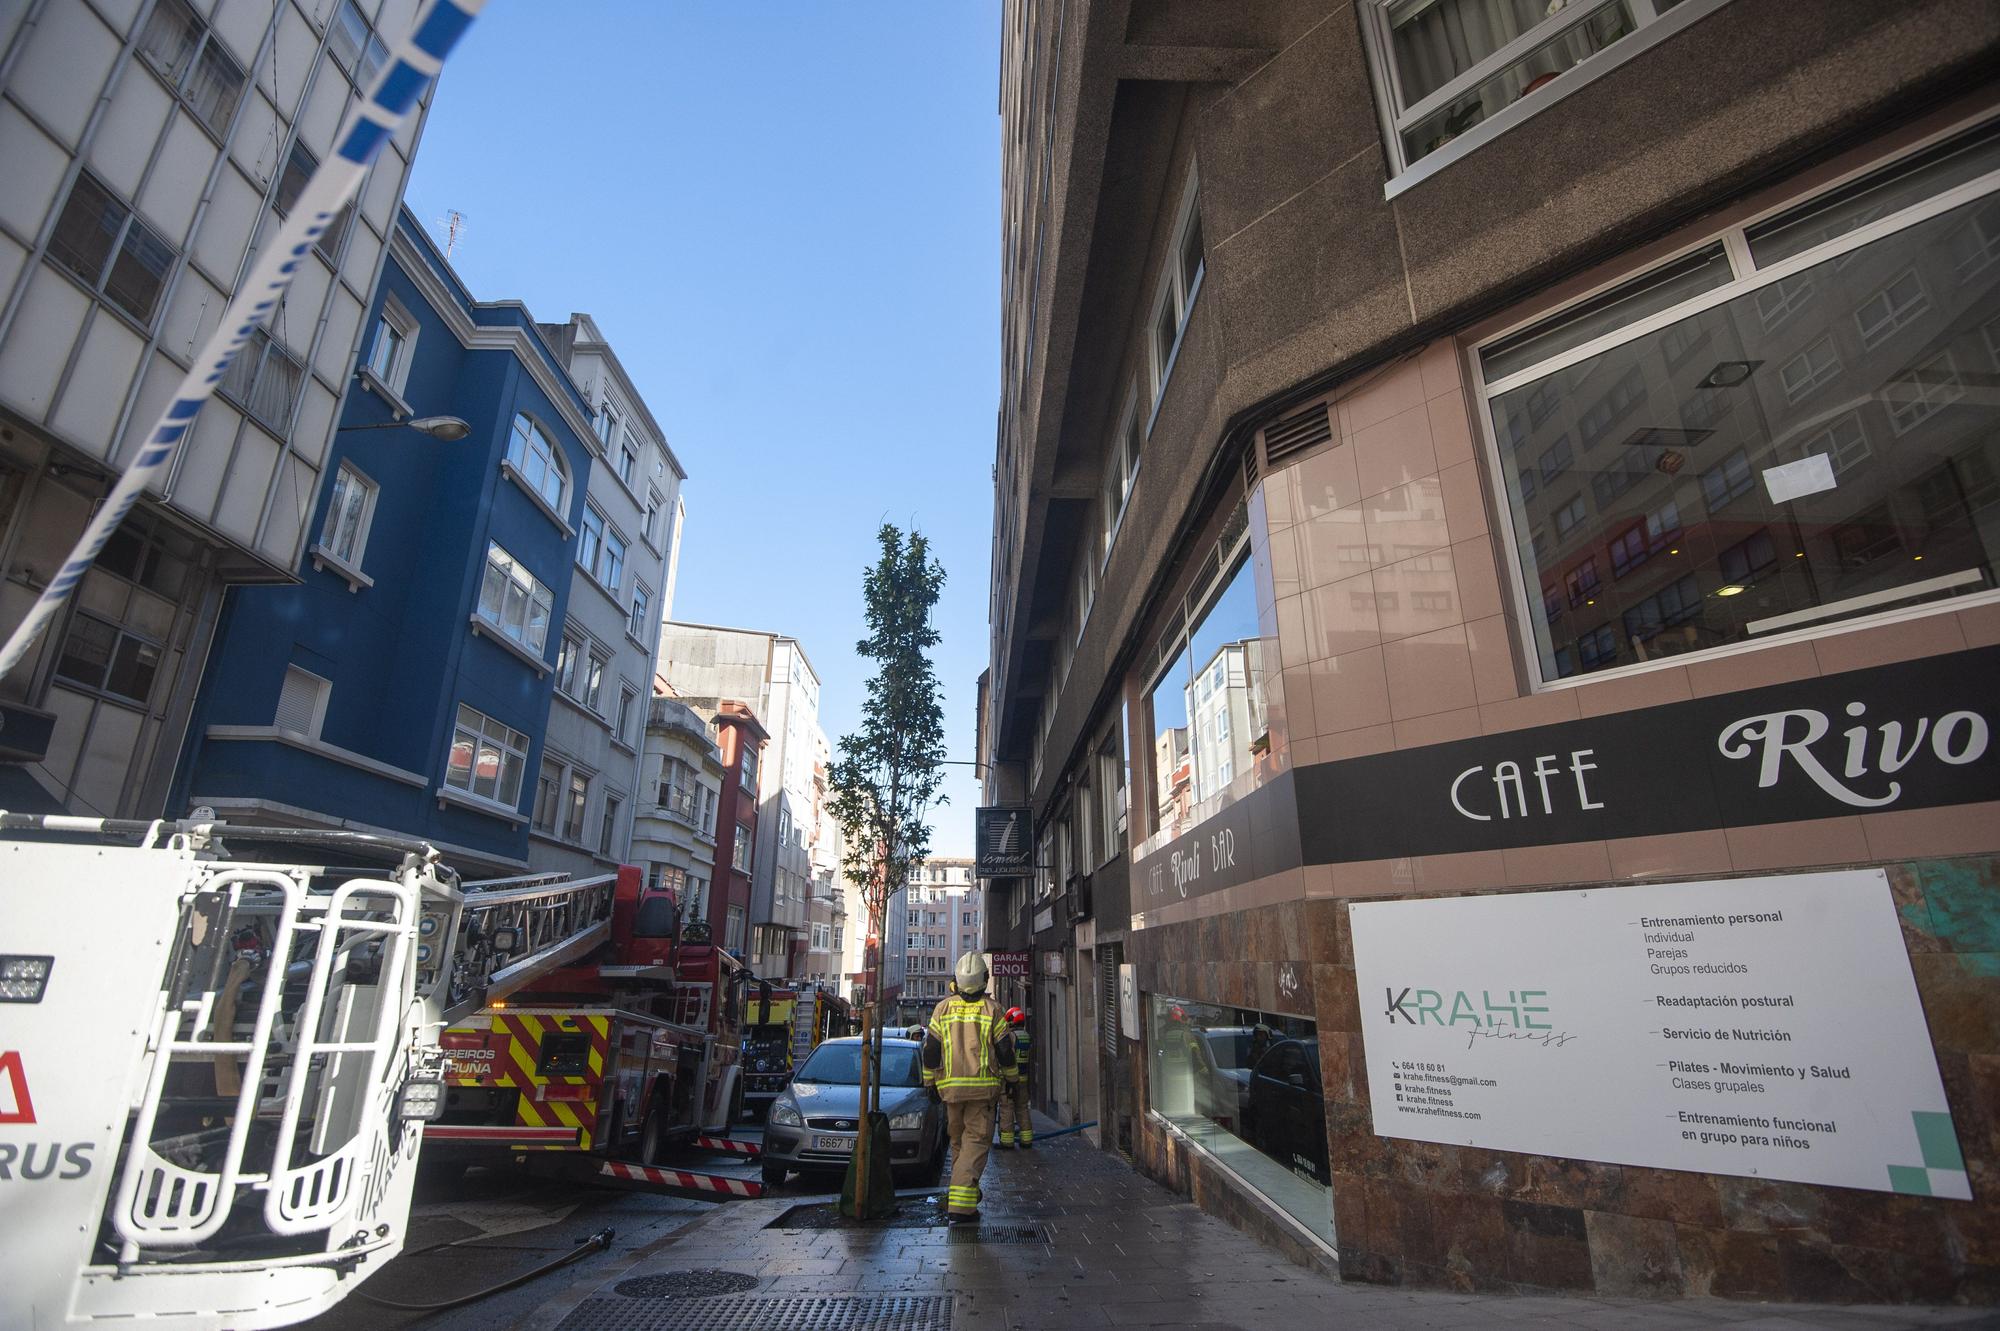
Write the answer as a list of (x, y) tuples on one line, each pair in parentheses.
[(1108, 955), (298, 703), (1307, 429), (1250, 468)]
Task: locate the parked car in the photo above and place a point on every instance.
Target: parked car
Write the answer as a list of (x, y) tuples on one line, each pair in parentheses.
[(1284, 1113), (1222, 1055), (815, 1119)]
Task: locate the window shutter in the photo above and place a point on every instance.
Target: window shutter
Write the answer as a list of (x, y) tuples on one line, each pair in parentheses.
[(299, 702)]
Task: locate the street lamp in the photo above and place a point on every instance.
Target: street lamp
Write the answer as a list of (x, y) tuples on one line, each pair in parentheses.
[(446, 429)]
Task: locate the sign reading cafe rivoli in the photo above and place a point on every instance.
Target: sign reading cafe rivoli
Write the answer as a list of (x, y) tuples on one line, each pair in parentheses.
[(1764, 1027), (1909, 736)]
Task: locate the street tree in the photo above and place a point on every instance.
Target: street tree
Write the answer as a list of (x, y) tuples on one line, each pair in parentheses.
[(887, 776)]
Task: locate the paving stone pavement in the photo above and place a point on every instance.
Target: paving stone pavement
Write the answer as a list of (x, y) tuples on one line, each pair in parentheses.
[(1115, 1250)]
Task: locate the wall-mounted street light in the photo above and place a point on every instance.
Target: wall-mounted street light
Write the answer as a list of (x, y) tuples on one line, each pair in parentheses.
[(446, 429)]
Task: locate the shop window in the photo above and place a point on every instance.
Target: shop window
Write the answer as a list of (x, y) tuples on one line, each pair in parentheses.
[(1247, 1087), (1884, 326)]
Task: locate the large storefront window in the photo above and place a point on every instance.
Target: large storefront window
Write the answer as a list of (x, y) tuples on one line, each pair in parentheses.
[(1246, 1087), (1813, 438), (1210, 722)]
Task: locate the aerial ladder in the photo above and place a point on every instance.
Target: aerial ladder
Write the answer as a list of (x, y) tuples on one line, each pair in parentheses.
[(218, 1048)]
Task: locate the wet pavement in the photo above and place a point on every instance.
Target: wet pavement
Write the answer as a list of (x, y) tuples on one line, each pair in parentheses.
[(1072, 1238)]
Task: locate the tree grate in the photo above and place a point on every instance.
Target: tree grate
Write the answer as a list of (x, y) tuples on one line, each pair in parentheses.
[(703, 1284), (816, 1312)]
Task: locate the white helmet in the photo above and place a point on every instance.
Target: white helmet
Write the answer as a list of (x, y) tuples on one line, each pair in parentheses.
[(971, 976)]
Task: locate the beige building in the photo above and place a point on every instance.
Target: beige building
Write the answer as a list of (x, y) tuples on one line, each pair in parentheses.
[(150, 152)]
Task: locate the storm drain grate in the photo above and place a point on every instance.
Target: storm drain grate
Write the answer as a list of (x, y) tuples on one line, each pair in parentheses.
[(704, 1284), (817, 1312), (994, 1234)]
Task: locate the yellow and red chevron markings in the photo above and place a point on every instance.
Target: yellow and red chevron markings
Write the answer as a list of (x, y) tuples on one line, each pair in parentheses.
[(515, 1045)]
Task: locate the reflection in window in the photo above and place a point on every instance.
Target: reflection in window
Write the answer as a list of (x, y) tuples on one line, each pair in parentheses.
[(1246, 1086), (1210, 721), (1859, 369)]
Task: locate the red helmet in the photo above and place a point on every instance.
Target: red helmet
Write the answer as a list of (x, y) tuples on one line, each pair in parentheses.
[(1016, 1017)]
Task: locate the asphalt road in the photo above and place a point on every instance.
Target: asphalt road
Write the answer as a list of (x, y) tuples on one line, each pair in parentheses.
[(502, 1223)]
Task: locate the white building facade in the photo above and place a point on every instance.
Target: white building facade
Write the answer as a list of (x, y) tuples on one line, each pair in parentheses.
[(589, 788), (673, 831), (150, 152)]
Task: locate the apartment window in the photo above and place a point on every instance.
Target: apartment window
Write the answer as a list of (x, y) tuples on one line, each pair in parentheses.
[(100, 656), (344, 535), (548, 798), (628, 460), (708, 810), (264, 380), (1174, 299), (1462, 71), (607, 831), (740, 854), (298, 169), (395, 340), (640, 624), (539, 462), (355, 47), (649, 525), (600, 550), (514, 600), (732, 933), (746, 778), (569, 666), (626, 698), (1775, 551), (606, 423), (178, 45), (302, 702), (487, 758), (592, 695), (149, 554), (102, 242), (579, 800)]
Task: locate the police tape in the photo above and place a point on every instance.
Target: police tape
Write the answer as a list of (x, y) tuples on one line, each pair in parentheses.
[(413, 65)]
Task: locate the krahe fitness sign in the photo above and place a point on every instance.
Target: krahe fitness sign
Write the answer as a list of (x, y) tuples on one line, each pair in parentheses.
[(1762, 1027)]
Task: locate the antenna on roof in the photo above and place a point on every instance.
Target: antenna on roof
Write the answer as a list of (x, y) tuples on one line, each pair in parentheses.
[(453, 223)]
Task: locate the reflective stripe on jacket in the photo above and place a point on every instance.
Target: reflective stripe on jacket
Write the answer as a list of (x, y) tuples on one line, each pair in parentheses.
[(968, 1050)]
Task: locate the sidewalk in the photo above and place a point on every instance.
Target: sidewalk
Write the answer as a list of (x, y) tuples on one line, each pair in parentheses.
[(1072, 1238)]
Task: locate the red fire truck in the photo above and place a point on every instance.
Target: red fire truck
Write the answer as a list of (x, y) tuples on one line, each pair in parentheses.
[(622, 1055)]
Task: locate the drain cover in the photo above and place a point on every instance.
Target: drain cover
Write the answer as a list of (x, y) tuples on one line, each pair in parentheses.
[(686, 1285), (993, 1234), (906, 1312)]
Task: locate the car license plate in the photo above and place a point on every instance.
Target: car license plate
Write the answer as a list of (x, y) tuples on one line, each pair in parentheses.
[(833, 1143)]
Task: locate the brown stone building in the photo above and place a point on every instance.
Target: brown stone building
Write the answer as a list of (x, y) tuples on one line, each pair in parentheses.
[(1496, 507)]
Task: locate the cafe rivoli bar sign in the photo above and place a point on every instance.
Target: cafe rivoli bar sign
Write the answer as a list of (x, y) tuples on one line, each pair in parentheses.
[(1764, 1027)]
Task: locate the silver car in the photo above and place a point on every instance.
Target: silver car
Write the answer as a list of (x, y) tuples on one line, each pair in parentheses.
[(816, 1118)]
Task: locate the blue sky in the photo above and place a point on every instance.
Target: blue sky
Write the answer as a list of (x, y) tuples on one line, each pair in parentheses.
[(785, 217)]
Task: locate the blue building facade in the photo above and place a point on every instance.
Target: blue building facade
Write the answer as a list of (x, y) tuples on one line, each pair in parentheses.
[(403, 683)]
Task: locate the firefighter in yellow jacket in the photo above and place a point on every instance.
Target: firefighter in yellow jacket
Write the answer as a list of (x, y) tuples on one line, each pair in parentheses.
[(968, 1061)]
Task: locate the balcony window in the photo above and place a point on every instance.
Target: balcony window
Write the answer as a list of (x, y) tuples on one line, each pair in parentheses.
[(1853, 471)]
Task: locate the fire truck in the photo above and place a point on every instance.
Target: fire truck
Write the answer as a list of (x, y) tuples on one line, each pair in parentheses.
[(781, 1025), (218, 1051), (623, 1054)]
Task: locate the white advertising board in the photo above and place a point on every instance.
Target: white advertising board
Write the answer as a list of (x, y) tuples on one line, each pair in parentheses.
[(1766, 1027)]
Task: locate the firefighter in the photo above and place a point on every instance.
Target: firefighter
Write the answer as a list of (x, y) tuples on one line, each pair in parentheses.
[(1015, 1125), (968, 1063)]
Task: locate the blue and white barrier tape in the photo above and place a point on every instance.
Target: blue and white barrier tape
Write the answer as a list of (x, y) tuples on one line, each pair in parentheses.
[(413, 63)]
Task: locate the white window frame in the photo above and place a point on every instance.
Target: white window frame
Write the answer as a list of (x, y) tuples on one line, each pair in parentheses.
[(480, 735), (515, 573), (322, 688), (642, 602), (1748, 276), (1173, 285), (1121, 473), (1650, 30), (550, 460), (393, 375), (324, 553)]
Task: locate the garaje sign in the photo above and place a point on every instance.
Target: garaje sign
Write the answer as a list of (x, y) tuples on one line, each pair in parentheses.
[(1765, 1027), (1908, 736), (1010, 965)]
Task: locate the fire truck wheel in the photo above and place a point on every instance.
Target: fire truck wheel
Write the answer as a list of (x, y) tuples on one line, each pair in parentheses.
[(653, 1137), (774, 1175), (735, 1107)]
